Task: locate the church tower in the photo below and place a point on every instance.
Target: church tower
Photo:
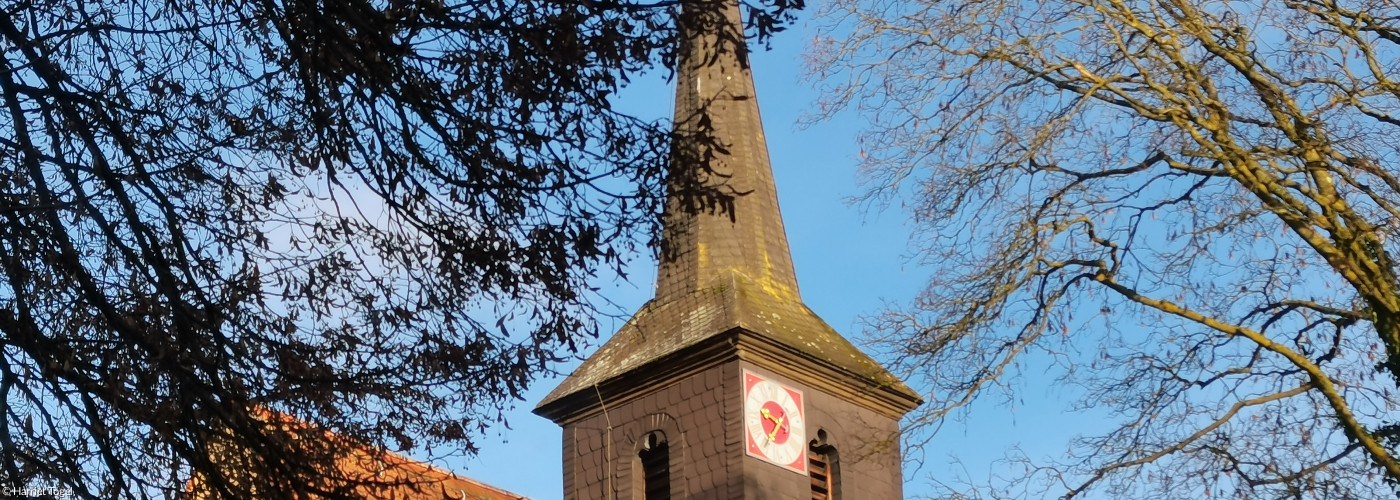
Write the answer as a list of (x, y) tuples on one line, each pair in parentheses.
[(725, 386)]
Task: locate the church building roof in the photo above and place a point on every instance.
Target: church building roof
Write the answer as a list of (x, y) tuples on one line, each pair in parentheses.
[(367, 472)]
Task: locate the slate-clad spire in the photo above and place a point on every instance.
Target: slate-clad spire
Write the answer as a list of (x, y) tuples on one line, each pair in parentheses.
[(721, 146), (724, 268)]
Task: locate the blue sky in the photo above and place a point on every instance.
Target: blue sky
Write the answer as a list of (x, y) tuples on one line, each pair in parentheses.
[(850, 260)]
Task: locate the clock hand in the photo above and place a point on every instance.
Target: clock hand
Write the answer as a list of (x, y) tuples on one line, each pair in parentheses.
[(778, 425), (769, 415)]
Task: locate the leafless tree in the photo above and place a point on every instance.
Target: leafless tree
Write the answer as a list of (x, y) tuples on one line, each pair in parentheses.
[(375, 217), (1188, 208)]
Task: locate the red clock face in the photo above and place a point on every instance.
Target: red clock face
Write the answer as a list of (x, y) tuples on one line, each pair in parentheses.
[(777, 423), (774, 424)]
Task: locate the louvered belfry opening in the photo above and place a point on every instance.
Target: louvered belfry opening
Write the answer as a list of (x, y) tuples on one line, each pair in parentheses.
[(822, 469), (656, 468), (821, 477)]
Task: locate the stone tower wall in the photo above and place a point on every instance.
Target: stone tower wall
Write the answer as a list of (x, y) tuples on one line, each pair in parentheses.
[(701, 415)]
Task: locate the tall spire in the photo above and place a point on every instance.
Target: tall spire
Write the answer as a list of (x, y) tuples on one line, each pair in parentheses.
[(725, 269), (721, 147)]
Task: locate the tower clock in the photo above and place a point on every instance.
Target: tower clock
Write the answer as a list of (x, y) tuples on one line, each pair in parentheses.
[(774, 424)]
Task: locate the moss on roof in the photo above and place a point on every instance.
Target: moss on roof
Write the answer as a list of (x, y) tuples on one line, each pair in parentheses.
[(662, 328)]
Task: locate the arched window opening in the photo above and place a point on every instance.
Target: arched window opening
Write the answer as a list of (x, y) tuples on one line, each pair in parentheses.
[(655, 460), (823, 468)]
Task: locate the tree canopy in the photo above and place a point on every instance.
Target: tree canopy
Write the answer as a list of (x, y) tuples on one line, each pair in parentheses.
[(1187, 209), (377, 215)]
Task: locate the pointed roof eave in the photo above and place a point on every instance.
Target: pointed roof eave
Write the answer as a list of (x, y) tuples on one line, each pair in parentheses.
[(724, 265)]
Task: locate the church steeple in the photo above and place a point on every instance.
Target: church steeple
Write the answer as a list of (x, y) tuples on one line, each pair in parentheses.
[(725, 385), (725, 265), (720, 146)]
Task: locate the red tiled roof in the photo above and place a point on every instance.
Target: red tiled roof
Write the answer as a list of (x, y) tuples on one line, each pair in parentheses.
[(379, 475), (417, 480)]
